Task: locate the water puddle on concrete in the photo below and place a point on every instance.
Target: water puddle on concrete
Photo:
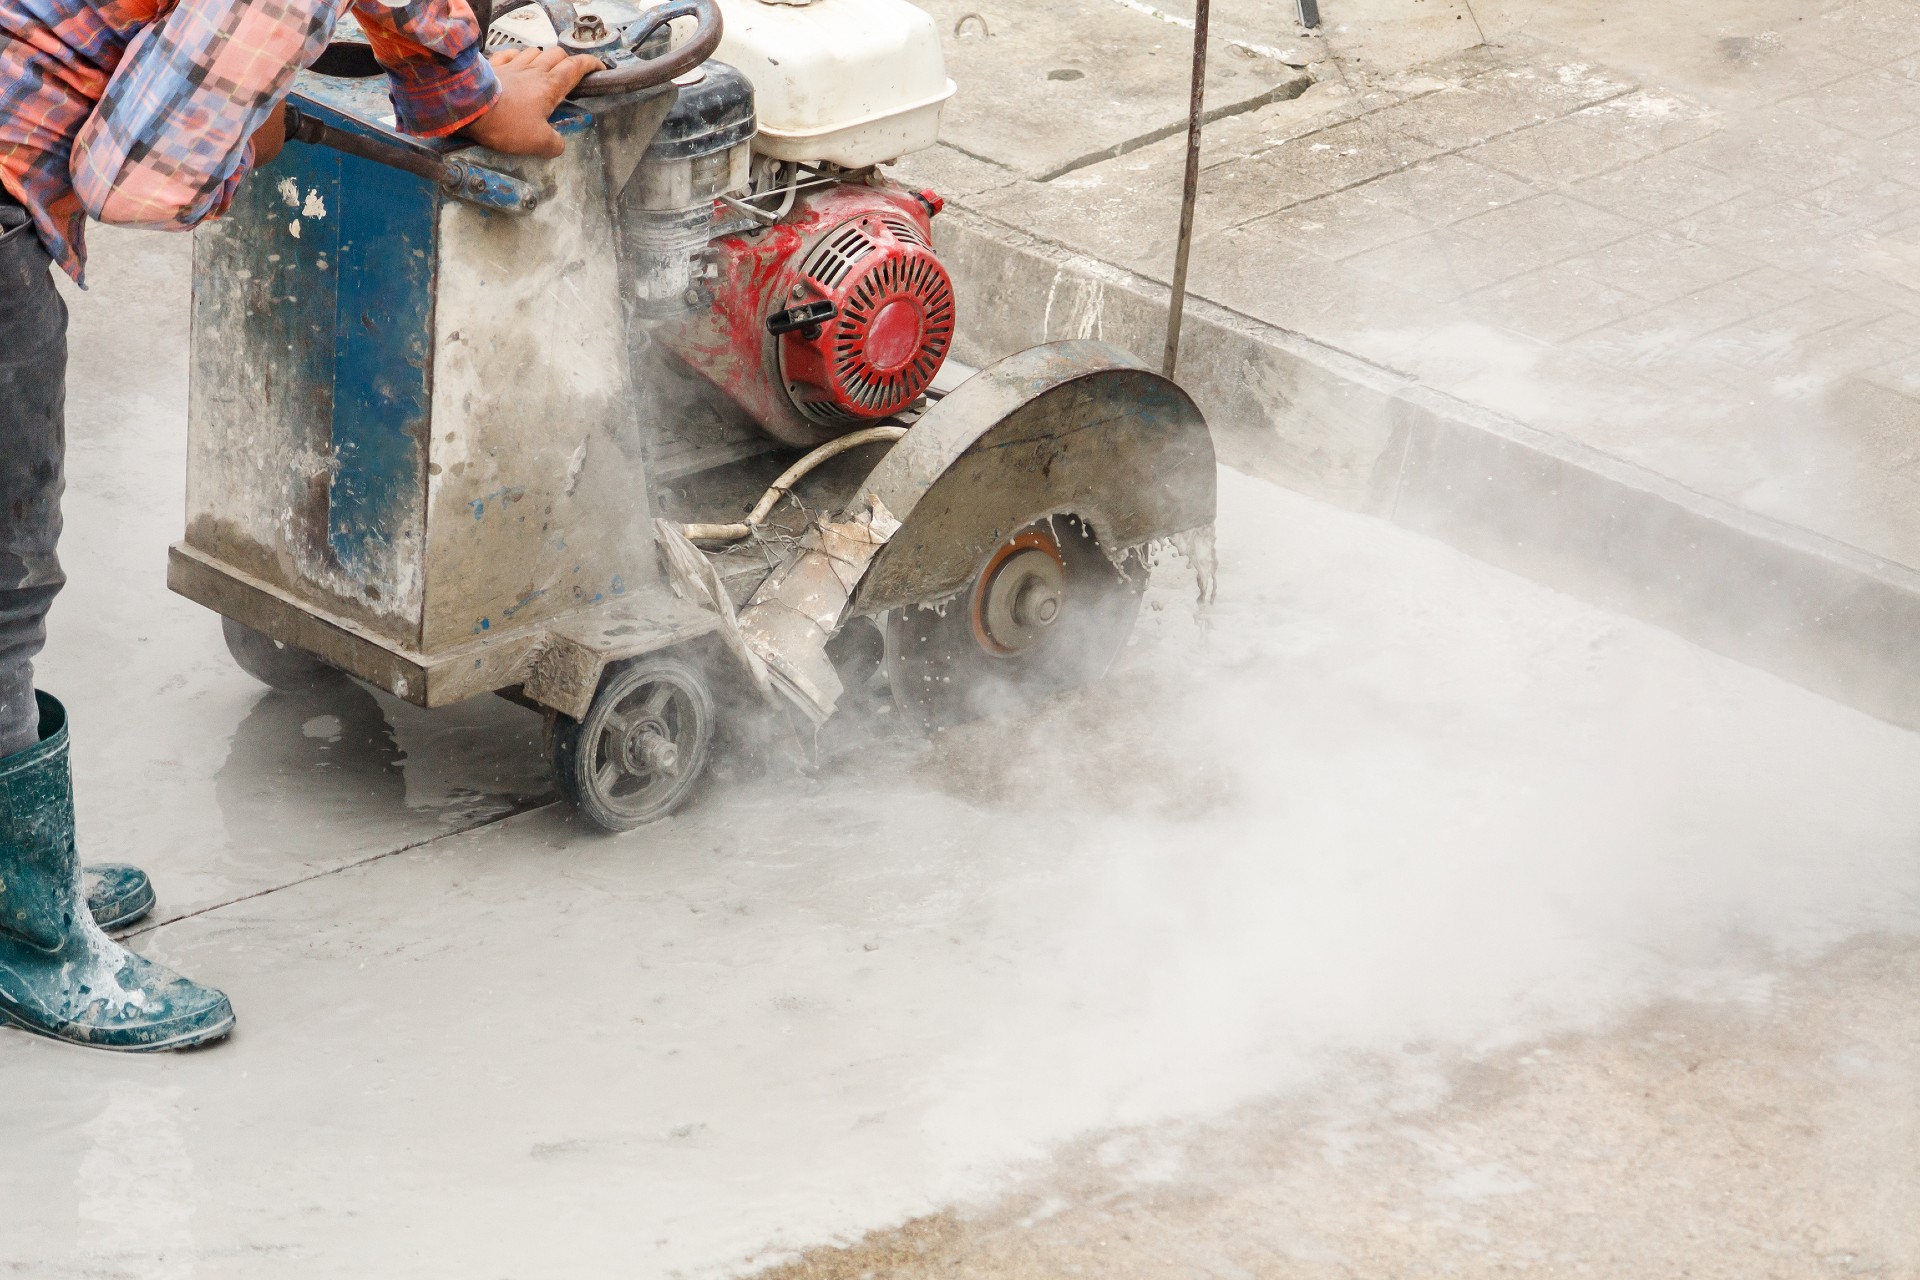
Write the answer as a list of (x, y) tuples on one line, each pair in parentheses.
[(375, 759)]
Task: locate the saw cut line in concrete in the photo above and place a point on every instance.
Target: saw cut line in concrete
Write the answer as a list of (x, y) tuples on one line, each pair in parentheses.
[(210, 908)]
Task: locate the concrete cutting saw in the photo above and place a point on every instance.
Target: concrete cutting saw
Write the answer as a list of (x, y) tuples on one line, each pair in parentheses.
[(669, 414)]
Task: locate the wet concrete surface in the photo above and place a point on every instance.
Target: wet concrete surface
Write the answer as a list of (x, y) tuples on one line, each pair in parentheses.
[(1379, 800), (1771, 1135)]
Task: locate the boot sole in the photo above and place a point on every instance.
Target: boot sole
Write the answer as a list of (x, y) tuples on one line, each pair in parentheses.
[(135, 910), (185, 1040)]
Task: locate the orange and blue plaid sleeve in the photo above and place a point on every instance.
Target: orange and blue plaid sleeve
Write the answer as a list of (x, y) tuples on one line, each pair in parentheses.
[(168, 141), (432, 52)]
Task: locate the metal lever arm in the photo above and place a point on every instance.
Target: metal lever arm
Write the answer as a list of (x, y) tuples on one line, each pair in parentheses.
[(627, 75), (458, 177), (806, 318)]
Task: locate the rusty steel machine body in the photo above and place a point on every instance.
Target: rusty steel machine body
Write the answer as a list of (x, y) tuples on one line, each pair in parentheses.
[(669, 411)]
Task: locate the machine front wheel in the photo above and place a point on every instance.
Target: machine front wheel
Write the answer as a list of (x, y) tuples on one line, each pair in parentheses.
[(641, 749), (276, 665)]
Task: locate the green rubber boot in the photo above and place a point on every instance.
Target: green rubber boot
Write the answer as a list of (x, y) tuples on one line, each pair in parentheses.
[(60, 976), (117, 895)]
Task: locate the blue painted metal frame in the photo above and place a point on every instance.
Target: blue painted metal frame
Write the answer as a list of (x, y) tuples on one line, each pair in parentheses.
[(349, 245), (350, 250), (382, 365)]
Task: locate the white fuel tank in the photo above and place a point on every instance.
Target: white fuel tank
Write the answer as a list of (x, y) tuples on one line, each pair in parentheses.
[(847, 82)]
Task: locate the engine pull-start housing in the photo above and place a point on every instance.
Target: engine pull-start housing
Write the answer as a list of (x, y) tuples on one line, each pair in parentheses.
[(862, 313)]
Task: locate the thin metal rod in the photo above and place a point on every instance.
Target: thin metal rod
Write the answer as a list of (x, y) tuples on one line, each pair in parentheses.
[(458, 176), (1190, 191)]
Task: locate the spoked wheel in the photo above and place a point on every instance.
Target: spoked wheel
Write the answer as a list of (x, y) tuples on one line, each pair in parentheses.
[(642, 747), (276, 665), (1048, 612)]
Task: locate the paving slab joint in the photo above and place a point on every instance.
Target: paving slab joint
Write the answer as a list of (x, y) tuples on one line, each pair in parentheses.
[(1285, 91)]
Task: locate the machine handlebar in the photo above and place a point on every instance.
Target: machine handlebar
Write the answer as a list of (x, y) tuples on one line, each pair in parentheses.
[(458, 176), (631, 72)]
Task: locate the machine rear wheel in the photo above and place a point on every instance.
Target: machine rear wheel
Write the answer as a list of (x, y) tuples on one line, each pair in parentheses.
[(276, 665), (641, 749), (1048, 612)]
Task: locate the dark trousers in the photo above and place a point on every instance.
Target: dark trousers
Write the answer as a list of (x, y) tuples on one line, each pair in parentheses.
[(33, 446)]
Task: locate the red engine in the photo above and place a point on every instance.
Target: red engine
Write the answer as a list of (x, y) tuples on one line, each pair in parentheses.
[(837, 315)]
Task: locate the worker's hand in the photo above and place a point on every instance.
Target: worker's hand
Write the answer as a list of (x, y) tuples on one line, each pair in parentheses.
[(271, 135), (532, 83)]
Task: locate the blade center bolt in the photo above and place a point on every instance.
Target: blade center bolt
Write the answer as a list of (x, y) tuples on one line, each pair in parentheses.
[(1036, 604), (1019, 594)]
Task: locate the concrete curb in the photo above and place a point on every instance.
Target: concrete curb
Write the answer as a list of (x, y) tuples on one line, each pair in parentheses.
[(1817, 612)]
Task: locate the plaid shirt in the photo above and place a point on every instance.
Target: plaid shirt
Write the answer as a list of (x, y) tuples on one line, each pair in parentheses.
[(139, 111)]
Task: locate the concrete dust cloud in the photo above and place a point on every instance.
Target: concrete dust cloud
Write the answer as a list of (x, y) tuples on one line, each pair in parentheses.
[(1379, 797)]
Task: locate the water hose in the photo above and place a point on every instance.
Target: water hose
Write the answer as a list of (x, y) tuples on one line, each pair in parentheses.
[(784, 485)]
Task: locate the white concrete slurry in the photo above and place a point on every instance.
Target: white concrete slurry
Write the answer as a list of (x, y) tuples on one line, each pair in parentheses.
[(1384, 798)]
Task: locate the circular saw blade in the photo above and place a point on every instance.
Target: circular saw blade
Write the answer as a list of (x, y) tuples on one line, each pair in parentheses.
[(1078, 429)]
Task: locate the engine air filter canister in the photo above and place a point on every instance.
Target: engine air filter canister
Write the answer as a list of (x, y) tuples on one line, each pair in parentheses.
[(702, 150)]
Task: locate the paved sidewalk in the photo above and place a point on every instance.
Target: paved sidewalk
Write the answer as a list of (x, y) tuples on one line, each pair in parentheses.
[(1689, 283)]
